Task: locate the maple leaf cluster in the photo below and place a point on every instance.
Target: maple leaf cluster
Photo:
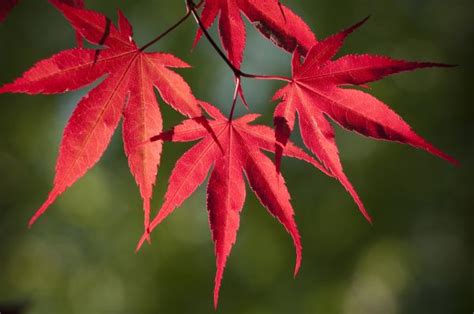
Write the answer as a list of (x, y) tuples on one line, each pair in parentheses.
[(228, 148)]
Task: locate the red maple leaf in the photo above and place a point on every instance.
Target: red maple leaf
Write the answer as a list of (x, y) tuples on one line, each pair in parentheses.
[(231, 148), (274, 20), (127, 89), (316, 92)]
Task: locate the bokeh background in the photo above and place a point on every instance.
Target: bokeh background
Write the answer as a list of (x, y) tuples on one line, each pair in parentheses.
[(416, 258)]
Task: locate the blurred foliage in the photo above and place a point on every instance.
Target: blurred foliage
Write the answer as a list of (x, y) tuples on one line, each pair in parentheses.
[(416, 258)]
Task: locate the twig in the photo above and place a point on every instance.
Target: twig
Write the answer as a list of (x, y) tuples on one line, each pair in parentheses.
[(173, 27)]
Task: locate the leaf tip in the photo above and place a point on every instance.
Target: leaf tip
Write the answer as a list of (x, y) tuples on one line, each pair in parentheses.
[(32, 220), (357, 25), (297, 266), (364, 212), (437, 152), (451, 160), (217, 286), (444, 65), (144, 237), (43, 208), (299, 258), (216, 302), (195, 42), (368, 218)]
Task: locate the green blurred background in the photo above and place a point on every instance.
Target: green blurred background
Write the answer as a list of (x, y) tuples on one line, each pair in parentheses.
[(416, 258)]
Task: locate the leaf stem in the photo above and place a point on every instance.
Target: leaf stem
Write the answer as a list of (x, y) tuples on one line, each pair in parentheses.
[(234, 98), (209, 38), (265, 77), (173, 27)]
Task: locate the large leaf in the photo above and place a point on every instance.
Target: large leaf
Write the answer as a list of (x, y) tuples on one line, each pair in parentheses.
[(319, 90), (127, 89), (231, 149)]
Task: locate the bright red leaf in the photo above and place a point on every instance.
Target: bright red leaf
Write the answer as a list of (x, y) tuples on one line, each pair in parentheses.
[(316, 92), (230, 148), (274, 20), (127, 90)]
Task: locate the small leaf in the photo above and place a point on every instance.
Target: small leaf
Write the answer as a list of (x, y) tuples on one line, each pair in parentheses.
[(274, 20)]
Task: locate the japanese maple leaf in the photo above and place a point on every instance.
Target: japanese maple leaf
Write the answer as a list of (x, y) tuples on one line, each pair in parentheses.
[(316, 92), (127, 90), (231, 148), (274, 20)]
